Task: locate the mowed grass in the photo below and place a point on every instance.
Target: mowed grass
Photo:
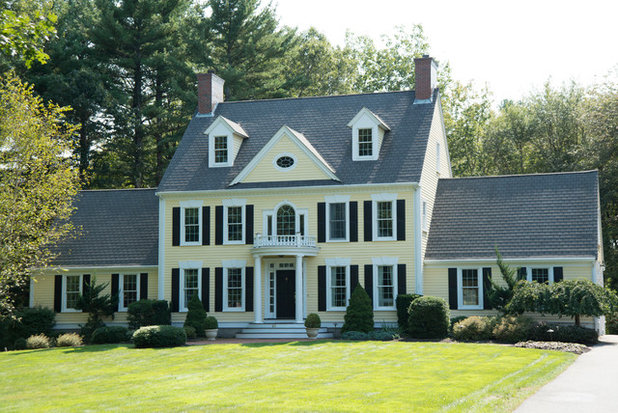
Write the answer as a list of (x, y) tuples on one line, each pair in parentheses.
[(297, 376)]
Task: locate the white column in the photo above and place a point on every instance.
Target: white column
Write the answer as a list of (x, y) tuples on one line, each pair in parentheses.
[(257, 290), (299, 289)]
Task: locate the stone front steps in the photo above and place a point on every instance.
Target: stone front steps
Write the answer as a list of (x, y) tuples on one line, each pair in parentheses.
[(278, 330)]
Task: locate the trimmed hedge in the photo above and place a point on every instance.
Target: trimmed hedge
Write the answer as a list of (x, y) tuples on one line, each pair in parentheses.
[(428, 318), (403, 302), (148, 313), (474, 328), (313, 321), (196, 316), (159, 336), (109, 335)]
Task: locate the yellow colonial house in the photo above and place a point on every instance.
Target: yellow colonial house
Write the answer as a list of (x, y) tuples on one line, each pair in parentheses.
[(274, 209)]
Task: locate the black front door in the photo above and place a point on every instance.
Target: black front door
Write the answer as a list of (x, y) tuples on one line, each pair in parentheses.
[(286, 288)]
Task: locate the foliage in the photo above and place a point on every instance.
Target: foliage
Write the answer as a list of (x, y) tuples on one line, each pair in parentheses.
[(109, 335), (196, 316), (159, 336), (611, 323), (474, 328), (27, 322), (354, 335), (455, 320), (211, 323), (403, 302), (20, 344), (69, 340), (564, 333), (529, 296), (380, 335), (429, 318), (359, 313), (148, 313), (37, 185), (511, 329), (313, 321), (190, 332), (499, 296), (97, 305), (38, 341)]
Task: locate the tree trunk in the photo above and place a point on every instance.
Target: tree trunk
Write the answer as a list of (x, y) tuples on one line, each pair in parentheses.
[(159, 128), (138, 131), (577, 320)]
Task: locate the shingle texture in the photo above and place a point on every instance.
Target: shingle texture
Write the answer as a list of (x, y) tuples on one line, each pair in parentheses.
[(113, 227), (323, 121), (544, 215)]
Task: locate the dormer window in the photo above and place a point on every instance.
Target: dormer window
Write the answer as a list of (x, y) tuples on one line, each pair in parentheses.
[(224, 140), (367, 135), (221, 149)]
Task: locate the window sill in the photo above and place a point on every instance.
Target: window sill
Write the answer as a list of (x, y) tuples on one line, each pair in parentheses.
[(191, 244), (337, 240), (470, 307), (234, 310), (339, 309), (385, 239), (71, 310), (385, 309), (233, 242)]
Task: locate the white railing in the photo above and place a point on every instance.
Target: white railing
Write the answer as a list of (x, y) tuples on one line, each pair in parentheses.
[(297, 241)]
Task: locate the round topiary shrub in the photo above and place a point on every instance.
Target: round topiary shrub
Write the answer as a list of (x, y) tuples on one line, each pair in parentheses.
[(148, 313), (313, 321), (473, 328), (38, 341), (512, 329), (429, 318), (159, 336), (190, 332), (69, 340), (359, 314), (403, 302), (196, 316), (109, 335), (211, 323), (354, 335)]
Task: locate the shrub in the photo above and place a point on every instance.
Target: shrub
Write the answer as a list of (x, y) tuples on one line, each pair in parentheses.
[(313, 321), (159, 336), (380, 335), (211, 323), (69, 340), (109, 335), (428, 318), (190, 332), (196, 315), (611, 323), (148, 313), (38, 341), (359, 314), (97, 305), (403, 305), (512, 329), (33, 321), (565, 333), (473, 328), (455, 320), (354, 335), (20, 344)]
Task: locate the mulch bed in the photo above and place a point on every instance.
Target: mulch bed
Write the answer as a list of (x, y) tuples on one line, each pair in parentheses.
[(554, 345)]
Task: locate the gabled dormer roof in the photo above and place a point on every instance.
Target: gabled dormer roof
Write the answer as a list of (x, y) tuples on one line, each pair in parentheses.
[(233, 126), (372, 116), (323, 122), (303, 144)]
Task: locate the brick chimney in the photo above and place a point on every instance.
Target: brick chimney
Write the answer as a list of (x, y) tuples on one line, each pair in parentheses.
[(426, 74), (209, 92)]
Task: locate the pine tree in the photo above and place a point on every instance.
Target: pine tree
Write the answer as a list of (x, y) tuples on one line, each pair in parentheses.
[(359, 314)]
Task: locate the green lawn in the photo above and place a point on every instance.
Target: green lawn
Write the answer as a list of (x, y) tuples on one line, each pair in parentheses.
[(302, 376)]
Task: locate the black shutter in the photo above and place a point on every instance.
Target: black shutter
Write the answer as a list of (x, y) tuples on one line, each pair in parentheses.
[(522, 273), (175, 226), (219, 224), (116, 288), (206, 225), (321, 288), (401, 220), (558, 275), (85, 286), (353, 221), (452, 288), (369, 281), (486, 287), (218, 289), (367, 218), (249, 226), (206, 289), (175, 289), (143, 286), (321, 222), (401, 279), (249, 288), (58, 293), (353, 277)]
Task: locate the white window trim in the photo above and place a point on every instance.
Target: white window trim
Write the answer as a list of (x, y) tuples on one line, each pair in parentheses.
[(291, 155), (121, 305), (337, 262), (392, 198), (227, 264), (211, 151), (374, 144), (234, 203), (338, 199), (191, 204), (384, 261), (424, 220), (64, 292), (188, 265), (550, 273), (273, 213), (479, 274)]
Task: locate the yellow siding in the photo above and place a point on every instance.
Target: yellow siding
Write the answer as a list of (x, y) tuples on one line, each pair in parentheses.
[(359, 252), (304, 169)]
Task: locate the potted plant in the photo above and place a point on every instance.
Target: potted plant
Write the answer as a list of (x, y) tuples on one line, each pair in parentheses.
[(211, 327), (312, 325)]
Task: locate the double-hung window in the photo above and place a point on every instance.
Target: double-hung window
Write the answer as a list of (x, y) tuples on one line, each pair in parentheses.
[(384, 217), (234, 220), (365, 142), (191, 221), (190, 282), (234, 285), (129, 293), (384, 283), (338, 283), (221, 154), (72, 290), (469, 291), (538, 274), (337, 217)]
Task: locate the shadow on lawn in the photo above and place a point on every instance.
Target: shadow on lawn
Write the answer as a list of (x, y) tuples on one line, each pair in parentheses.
[(288, 343), (91, 348)]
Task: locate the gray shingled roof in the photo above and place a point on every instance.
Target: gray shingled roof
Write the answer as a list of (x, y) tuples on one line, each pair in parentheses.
[(323, 121), (115, 227), (542, 215)]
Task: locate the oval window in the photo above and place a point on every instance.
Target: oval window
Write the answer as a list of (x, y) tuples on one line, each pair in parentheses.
[(285, 162)]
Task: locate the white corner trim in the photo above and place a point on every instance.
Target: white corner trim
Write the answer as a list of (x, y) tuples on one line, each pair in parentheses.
[(161, 258), (289, 154), (418, 260)]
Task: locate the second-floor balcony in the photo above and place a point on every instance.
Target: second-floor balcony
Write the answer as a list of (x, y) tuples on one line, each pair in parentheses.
[(282, 244)]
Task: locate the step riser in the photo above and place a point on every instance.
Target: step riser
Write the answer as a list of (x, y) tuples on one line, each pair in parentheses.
[(279, 330), (288, 335)]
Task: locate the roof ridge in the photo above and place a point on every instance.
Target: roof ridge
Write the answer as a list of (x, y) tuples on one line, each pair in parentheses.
[(519, 175), (318, 97), (117, 189)]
